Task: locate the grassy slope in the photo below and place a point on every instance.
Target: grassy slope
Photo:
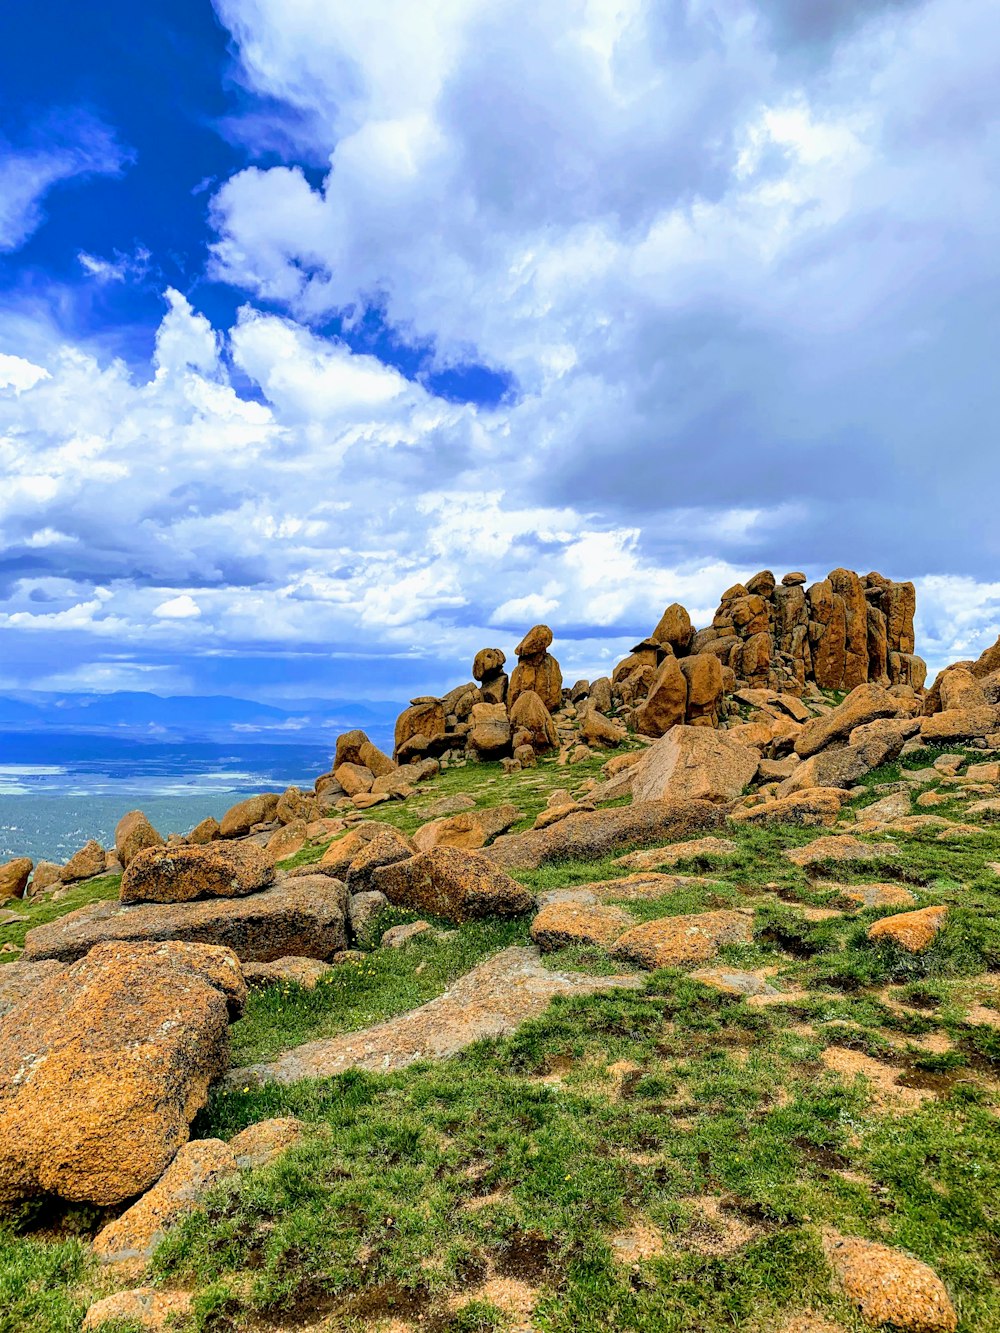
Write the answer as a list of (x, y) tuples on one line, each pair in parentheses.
[(524, 1157)]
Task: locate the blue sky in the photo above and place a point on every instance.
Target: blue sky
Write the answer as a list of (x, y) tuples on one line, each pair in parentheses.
[(338, 341)]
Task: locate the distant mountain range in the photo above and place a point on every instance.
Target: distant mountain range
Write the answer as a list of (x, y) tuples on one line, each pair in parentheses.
[(213, 717)]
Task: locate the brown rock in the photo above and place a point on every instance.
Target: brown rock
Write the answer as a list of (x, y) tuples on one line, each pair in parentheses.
[(240, 819), (286, 841), (703, 673), (674, 629), (490, 736), (590, 836), (85, 864), (818, 807), (959, 724), (354, 779), (880, 742), (666, 704), (596, 729), (755, 658), (260, 1144), (794, 579), (864, 704), (133, 833), (843, 848), (836, 766), (304, 915), (206, 831), (18, 980), (426, 719), (530, 713), (453, 884), (489, 662), (463, 830), (384, 848), (337, 858), (890, 1287), (46, 875), (103, 1067), (398, 937), (151, 1309), (376, 761), (560, 924), (348, 750), (537, 640), (304, 972), (540, 674), (197, 1167), (296, 807), (600, 694), (848, 586), (678, 941), (14, 877), (912, 931), (692, 764), (874, 895), (181, 874)]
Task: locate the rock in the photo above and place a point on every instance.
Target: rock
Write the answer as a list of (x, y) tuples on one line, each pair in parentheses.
[(874, 895), (694, 763), (304, 972), (490, 662), (562, 923), (540, 674), (337, 858), (590, 836), (490, 734), (46, 875), (364, 910), (703, 673), (984, 772), (286, 841), (537, 640), (181, 874), (912, 931), (882, 741), (18, 980), (451, 805), (453, 884), (890, 1287), (14, 877), (704, 849), (197, 1167), (960, 724), (843, 848), (426, 719), (238, 821), (600, 694), (206, 831), (263, 1143), (579, 691), (837, 766), (817, 807), (463, 830), (151, 1309), (103, 1067), (674, 629), (596, 729), (864, 704), (296, 807), (776, 770), (666, 704), (733, 982), (384, 848), (530, 713), (894, 806), (303, 916), (133, 833), (85, 864), (348, 748), (793, 580), (354, 778), (676, 941), (397, 937)]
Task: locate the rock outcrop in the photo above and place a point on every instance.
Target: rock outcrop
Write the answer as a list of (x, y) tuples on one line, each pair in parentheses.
[(104, 1064)]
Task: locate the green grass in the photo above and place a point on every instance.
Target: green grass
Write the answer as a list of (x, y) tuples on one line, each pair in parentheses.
[(39, 1282), (41, 910)]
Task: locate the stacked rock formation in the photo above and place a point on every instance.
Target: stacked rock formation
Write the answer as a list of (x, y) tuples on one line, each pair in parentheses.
[(537, 669), (841, 632)]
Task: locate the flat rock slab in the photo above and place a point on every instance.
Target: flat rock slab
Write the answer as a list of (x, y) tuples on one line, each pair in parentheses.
[(491, 1000), (304, 917)]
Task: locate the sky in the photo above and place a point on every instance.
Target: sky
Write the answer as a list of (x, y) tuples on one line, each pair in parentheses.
[(340, 340)]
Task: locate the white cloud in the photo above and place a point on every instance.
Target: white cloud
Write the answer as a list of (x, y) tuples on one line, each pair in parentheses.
[(17, 373), (182, 607)]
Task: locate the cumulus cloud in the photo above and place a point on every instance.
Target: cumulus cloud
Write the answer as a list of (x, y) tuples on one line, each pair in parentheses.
[(736, 259)]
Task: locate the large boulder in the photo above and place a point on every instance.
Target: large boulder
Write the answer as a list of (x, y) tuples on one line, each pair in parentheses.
[(304, 916), (593, 834), (530, 713), (14, 877), (489, 662), (960, 724), (490, 734), (678, 941), (890, 1287), (181, 874), (84, 864), (541, 674), (694, 763), (467, 829), (133, 833), (666, 702), (703, 673), (241, 818), (863, 704), (537, 640), (419, 728), (382, 849), (454, 884), (103, 1067), (817, 807), (674, 629)]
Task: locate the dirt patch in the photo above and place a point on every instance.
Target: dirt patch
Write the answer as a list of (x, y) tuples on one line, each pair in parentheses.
[(513, 1296), (716, 1228), (637, 1242), (981, 1015), (807, 1322), (888, 1094)]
